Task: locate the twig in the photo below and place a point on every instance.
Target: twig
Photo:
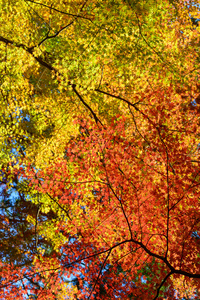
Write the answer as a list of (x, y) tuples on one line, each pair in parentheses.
[(59, 11), (86, 105), (102, 266), (163, 281)]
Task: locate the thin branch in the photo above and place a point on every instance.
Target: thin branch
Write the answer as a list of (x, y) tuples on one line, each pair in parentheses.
[(162, 258), (86, 105), (139, 217), (186, 192), (129, 103), (66, 211), (109, 184), (122, 209), (102, 266), (148, 44), (101, 77), (163, 281), (168, 196), (36, 223), (68, 265), (59, 11), (118, 97), (127, 178), (136, 125), (55, 35)]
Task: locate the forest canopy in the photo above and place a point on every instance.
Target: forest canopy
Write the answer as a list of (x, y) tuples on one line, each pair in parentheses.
[(99, 151)]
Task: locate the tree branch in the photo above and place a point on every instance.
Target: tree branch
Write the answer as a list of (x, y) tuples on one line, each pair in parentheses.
[(59, 11), (163, 281), (118, 97), (51, 68), (102, 266), (86, 105)]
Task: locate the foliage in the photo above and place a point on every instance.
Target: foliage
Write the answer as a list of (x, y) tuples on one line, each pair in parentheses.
[(99, 149), (129, 200)]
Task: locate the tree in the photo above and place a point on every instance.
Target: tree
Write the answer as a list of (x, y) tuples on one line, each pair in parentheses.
[(99, 139), (108, 45), (133, 199)]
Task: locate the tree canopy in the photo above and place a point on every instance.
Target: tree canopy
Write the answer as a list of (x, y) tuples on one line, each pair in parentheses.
[(99, 149)]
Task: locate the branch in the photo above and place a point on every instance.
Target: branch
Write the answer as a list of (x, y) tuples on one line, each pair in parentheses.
[(68, 265), (7, 41), (173, 270), (163, 281), (86, 105), (59, 11), (118, 97), (55, 35), (120, 201), (186, 191), (102, 266), (168, 196), (36, 223), (136, 125), (148, 44), (66, 211), (51, 68), (29, 50), (129, 103)]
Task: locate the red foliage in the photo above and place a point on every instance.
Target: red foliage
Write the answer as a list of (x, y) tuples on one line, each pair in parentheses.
[(132, 202), (129, 200)]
